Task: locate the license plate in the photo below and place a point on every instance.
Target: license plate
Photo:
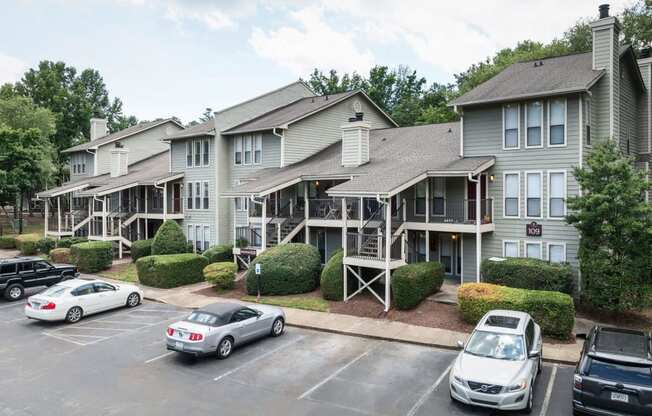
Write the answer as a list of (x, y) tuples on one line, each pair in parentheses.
[(179, 345), (619, 397), (36, 305)]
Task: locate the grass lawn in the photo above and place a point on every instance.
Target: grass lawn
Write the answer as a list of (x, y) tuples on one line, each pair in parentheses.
[(310, 303), (125, 272)]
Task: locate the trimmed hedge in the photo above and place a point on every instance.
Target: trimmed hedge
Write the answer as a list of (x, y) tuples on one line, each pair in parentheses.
[(553, 311), (45, 245), (332, 277), (68, 242), (412, 283), (222, 275), (27, 243), (141, 248), (92, 256), (219, 253), (286, 269), (169, 239), (61, 255), (7, 241), (171, 270), (527, 273)]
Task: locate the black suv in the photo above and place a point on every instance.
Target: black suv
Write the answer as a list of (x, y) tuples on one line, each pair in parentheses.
[(20, 272), (614, 374)]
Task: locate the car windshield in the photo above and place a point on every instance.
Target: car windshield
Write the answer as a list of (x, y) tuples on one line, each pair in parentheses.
[(494, 345), (205, 318), (54, 291)]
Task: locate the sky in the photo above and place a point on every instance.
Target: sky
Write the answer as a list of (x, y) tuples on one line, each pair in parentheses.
[(167, 58)]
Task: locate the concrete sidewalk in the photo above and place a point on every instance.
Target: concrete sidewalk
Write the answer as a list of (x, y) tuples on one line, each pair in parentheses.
[(352, 325)]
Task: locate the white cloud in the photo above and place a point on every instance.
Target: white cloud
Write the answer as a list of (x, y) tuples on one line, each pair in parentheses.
[(213, 17), (11, 68), (312, 43)]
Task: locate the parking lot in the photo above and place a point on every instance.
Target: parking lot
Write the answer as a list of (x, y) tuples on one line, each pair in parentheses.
[(115, 363)]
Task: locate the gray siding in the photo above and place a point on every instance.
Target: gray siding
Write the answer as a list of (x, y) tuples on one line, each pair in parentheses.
[(629, 104), (645, 142), (605, 56), (80, 158), (271, 158)]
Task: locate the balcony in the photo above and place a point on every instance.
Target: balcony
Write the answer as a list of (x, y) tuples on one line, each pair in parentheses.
[(452, 211)]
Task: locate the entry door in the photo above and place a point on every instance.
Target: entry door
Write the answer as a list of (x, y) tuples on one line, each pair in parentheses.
[(446, 252), (471, 195), (176, 197)]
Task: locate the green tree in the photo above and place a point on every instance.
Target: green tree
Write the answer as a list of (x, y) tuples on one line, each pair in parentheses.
[(615, 225), (637, 24), (206, 115)]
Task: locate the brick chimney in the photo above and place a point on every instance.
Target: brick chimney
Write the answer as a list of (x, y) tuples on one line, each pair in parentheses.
[(355, 142), (99, 128)]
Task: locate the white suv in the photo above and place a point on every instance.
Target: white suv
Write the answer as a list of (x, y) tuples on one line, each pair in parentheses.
[(499, 364)]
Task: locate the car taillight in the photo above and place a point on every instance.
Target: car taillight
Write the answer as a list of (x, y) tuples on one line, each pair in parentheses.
[(170, 331), (196, 337), (48, 306), (577, 381)]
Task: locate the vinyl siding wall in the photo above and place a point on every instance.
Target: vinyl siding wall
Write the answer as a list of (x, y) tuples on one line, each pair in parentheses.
[(605, 56), (629, 104), (80, 158), (645, 141)]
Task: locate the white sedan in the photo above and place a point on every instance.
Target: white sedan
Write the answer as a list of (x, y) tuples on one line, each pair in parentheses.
[(73, 299)]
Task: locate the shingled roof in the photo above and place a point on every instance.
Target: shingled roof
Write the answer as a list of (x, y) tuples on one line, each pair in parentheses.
[(207, 128)]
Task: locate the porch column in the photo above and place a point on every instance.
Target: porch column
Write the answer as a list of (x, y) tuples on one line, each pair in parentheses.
[(388, 252), (165, 200), (137, 193), (263, 225), (104, 217), (427, 245), (427, 200), (59, 215), (47, 216), (146, 231), (305, 209), (361, 213), (478, 234), (345, 220), (72, 217)]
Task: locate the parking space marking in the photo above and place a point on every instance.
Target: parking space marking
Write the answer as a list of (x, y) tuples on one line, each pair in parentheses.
[(64, 339), (13, 305), (260, 357), (334, 374), (551, 383), (151, 360), (413, 411)]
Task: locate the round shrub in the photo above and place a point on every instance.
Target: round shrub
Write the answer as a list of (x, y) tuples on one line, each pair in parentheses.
[(68, 242), (92, 256), (553, 311), (528, 273), (61, 255), (27, 244), (45, 245), (219, 253), (285, 269), (222, 275), (169, 239), (171, 270), (141, 248), (7, 241), (332, 277), (413, 283)]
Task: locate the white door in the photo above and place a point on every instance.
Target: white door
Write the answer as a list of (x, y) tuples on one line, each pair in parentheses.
[(107, 296), (87, 299)]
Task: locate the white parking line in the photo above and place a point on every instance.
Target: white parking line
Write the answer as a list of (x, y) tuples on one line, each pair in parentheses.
[(260, 357), (64, 339), (428, 392), (13, 305), (151, 360), (551, 383), (333, 375)]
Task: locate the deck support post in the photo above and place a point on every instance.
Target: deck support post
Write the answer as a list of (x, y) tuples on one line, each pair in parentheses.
[(427, 245), (344, 245), (104, 217), (263, 225), (388, 252), (165, 200), (146, 227), (478, 234), (47, 216), (59, 215), (306, 209)]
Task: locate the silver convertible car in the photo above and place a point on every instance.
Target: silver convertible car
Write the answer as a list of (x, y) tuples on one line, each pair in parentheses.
[(219, 327)]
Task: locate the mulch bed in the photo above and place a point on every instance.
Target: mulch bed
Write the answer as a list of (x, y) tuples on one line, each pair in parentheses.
[(630, 320)]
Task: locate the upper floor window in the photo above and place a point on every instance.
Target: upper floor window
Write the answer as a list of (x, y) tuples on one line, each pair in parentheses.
[(258, 149), (510, 126), (237, 159), (74, 168), (534, 121), (247, 149), (556, 194), (557, 134), (420, 201), (242, 204), (189, 154), (83, 166), (511, 191), (587, 122), (197, 153), (205, 198), (205, 151), (197, 195), (189, 198), (533, 191)]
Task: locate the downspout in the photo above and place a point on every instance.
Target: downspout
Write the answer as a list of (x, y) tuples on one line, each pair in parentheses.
[(282, 136), (478, 234)]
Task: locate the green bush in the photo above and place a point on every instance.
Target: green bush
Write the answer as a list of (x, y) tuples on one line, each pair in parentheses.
[(527, 273), (61, 255), (286, 269), (553, 311), (332, 277), (219, 253), (413, 283), (171, 270), (169, 239), (45, 245), (68, 242), (92, 256), (7, 241), (27, 243), (141, 248), (222, 275)]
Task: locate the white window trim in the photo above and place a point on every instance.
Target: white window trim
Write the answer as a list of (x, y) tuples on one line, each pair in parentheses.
[(235, 150), (518, 204), (555, 243), (518, 247), (537, 242), (565, 123), (206, 232), (432, 197), (424, 200), (541, 127), (518, 127), (208, 163), (256, 138), (548, 196), (245, 138), (205, 186), (541, 196)]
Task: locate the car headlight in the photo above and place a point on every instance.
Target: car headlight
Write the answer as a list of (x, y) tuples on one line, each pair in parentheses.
[(520, 386), (458, 379)]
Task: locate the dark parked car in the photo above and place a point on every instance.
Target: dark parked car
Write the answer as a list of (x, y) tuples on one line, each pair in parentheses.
[(614, 374), (20, 272)]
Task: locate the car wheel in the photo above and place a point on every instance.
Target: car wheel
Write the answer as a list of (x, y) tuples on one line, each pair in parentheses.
[(14, 292), (133, 299), (530, 402), (74, 314), (224, 348), (277, 327), (66, 276)]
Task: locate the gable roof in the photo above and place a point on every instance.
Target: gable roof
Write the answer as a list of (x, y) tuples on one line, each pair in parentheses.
[(129, 131), (207, 128), (283, 116), (396, 157), (558, 75), (626, 52)]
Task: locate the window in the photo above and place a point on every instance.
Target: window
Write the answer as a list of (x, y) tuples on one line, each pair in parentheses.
[(27, 266), (206, 152), (557, 136), (83, 290), (420, 201), (243, 314), (189, 154), (191, 234), (512, 185), (205, 195), (247, 150), (8, 269), (83, 166), (534, 120), (198, 238), (237, 158), (197, 153), (510, 249), (41, 265), (74, 169), (242, 204), (438, 190), (588, 121), (533, 191), (189, 195), (103, 287), (529, 335), (258, 149), (533, 250), (510, 126), (197, 195), (557, 194), (556, 252), (207, 237)]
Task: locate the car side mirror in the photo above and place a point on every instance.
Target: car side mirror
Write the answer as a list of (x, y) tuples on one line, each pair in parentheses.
[(534, 353), (460, 345)]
